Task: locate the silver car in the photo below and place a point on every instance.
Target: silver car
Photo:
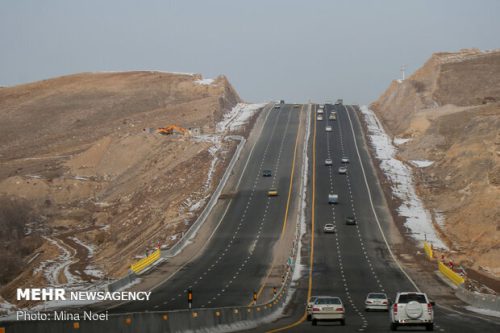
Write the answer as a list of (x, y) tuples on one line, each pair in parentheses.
[(328, 161), (342, 170), (329, 228), (328, 128), (377, 301), (345, 159), (328, 308)]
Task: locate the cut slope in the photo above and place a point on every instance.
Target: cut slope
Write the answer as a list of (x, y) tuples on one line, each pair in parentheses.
[(83, 152), (448, 112)]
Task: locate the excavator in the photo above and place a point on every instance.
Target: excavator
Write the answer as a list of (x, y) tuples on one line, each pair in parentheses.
[(172, 129)]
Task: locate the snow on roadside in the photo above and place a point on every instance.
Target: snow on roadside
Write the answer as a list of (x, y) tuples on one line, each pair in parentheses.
[(237, 117), (486, 312), (422, 163), (300, 268), (232, 120), (418, 219)]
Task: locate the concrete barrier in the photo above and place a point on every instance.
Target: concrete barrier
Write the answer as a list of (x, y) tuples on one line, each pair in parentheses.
[(457, 279), (142, 264), (478, 300), (428, 250), (125, 281)]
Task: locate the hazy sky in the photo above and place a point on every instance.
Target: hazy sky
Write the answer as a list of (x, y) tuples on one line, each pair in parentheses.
[(269, 49)]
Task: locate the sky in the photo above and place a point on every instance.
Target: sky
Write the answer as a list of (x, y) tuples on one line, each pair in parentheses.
[(269, 49)]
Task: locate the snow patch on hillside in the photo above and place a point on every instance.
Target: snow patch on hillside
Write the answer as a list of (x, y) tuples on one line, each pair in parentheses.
[(418, 219), (204, 82), (238, 117), (422, 163)]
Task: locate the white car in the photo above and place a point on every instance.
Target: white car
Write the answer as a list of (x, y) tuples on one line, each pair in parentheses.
[(342, 170), (377, 301), (309, 307), (329, 228), (328, 161), (333, 116), (328, 308), (345, 159), (320, 111), (328, 128), (320, 117), (412, 309)]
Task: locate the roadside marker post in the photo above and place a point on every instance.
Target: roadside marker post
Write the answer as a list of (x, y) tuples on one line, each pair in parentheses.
[(190, 298), (254, 297)]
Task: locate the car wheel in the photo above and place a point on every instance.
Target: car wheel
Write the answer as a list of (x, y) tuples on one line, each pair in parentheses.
[(367, 310), (308, 317), (394, 327), (429, 327), (314, 322), (342, 322)]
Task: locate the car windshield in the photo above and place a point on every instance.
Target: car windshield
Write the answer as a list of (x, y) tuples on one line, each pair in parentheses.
[(328, 225), (312, 299), (377, 296), (329, 300), (406, 298)]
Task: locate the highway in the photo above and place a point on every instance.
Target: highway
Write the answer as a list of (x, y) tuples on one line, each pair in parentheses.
[(238, 257), (349, 263), (355, 260)]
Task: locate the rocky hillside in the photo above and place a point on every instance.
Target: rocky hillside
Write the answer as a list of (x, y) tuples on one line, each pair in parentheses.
[(97, 185), (446, 119)]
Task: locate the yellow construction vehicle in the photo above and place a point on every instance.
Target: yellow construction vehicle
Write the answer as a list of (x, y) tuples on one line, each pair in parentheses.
[(172, 129)]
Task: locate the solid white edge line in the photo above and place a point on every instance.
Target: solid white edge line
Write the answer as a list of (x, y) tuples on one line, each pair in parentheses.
[(385, 240), (373, 207)]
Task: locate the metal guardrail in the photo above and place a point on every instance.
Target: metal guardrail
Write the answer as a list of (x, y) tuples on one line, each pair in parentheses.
[(457, 279), (225, 319), (142, 264)]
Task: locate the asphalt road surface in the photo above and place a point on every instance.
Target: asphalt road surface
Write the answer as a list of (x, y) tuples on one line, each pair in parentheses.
[(239, 255), (355, 260)]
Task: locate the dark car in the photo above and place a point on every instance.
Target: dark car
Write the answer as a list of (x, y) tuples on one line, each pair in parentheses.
[(350, 220), (267, 173)]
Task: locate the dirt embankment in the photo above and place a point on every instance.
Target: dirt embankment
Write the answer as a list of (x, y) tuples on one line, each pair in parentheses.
[(446, 120), (83, 152)]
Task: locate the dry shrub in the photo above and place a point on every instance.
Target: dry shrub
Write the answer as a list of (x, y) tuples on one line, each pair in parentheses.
[(15, 214)]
